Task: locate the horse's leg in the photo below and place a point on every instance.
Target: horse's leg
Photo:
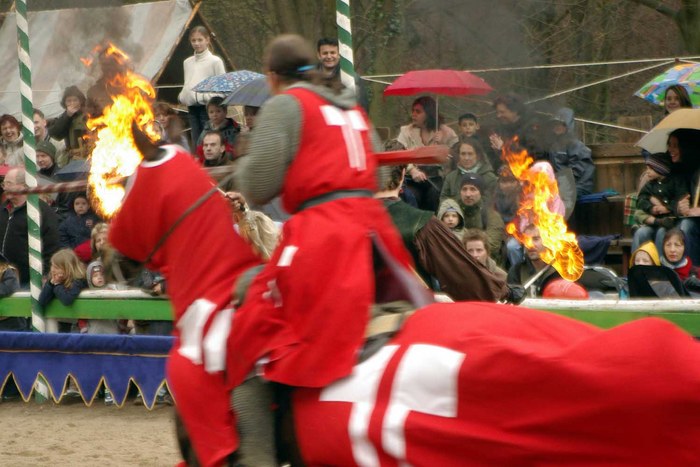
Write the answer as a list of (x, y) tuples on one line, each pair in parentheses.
[(286, 434), (252, 402), (186, 450), (183, 441)]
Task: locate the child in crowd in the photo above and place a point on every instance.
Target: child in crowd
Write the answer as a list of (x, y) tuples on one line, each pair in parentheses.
[(468, 125), (645, 255), (65, 282), (657, 201), (201, 65), (470, 159), (218, 121), (451, 215), (77, 227), (172, 129), (9, 284), (66, 279)]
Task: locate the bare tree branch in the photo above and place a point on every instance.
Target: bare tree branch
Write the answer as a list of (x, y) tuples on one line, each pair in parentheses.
[(660, 6)]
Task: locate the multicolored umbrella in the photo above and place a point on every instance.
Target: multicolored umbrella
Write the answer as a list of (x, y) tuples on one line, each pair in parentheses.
[(685, 74), (253, 94), (227, 82)]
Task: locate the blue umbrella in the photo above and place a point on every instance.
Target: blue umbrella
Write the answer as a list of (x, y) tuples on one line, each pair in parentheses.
[(253, 94), (226, 83)]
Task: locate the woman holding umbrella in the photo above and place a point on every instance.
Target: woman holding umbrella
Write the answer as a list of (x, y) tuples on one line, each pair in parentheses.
[(426, 129)]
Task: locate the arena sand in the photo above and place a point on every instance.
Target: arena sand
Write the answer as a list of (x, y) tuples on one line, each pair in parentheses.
[(76, 435)]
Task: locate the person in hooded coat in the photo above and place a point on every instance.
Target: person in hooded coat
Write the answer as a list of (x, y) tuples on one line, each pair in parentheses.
[(438, 253), (567, 151), (451, 215)]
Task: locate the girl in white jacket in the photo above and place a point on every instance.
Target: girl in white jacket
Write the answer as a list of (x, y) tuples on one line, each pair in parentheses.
[(201, 65)]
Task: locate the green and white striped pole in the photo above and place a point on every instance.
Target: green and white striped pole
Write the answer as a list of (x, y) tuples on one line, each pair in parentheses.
[(33, 217), (347, 64)]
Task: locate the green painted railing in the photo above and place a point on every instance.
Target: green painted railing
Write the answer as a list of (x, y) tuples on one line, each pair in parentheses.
[(610, 313), (135, 304), (108, 304)]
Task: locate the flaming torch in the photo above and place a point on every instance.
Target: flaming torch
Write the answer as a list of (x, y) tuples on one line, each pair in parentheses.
[(539, 190), (115, 155)]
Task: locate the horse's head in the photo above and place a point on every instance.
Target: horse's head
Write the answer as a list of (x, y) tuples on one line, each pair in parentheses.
[(147, 147)]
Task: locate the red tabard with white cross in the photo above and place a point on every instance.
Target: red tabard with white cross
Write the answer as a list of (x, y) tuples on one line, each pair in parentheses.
[(201, 260), (334, 151), (477, 384), (306, 312)]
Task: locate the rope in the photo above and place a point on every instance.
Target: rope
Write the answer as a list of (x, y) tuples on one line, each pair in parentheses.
[(691, 59), (604, 80)]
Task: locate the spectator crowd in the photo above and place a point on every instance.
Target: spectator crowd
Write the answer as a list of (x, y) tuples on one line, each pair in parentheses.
[(452, 216)]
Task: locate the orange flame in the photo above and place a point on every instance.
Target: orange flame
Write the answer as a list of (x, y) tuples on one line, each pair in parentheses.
[(115, 155), (539, 190)]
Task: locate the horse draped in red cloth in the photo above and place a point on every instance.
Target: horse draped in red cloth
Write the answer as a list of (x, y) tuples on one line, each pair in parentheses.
[(459, 384), (485, 384)]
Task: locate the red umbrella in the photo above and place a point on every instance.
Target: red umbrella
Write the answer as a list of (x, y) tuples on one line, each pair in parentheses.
[(445, 82)]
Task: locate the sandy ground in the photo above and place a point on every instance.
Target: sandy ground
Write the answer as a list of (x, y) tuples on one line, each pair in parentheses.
[(75, 435)]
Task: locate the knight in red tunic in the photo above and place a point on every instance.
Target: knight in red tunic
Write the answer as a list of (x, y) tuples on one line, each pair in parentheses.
[(200, 274), (306, 312)]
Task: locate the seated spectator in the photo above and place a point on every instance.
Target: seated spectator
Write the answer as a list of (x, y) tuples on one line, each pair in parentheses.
[(479, 216), (214, 149), (218, 121), (532, 263), (506, 198), (11, 142), (426, 128), (477, 244), (9, 284), (437, 252), (657, 201), (566, 151), (470, 159), (514, 121), (46, 158), (76, 228), (171, 125), (71, 125), (674, 255), (451, 215), (469, 128), (42, 135)]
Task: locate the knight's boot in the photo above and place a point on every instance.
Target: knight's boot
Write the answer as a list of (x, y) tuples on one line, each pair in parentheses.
[(252, 402)]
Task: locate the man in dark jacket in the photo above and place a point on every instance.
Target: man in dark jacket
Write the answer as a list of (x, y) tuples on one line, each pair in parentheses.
[(13, 227)]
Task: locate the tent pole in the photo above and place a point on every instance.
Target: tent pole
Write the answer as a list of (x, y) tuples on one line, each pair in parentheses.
[(347, 66), (33, 210)]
